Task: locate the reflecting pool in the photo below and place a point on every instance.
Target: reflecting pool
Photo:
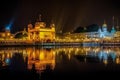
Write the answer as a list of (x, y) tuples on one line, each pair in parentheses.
[(59, 62)]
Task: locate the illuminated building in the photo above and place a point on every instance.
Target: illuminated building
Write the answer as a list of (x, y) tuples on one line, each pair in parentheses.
[(6, 34), (40, 32), (102, 33)]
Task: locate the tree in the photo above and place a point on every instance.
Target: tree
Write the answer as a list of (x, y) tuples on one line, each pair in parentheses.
[(92, 28), (79, 29)]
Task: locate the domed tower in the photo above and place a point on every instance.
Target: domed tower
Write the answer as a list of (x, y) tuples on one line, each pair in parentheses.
[(113, 28), (99, 30), (101, 34), (30, 26), (39, 24), (7, 32), (117, 27), (7, 29), (104, 27), (52, 26)]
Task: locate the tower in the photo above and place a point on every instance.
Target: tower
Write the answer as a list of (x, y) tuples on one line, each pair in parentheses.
[(30, 26), (99, 30), (40, 24), (40, 19), (113, 28), (100, 33), (113, 23), (117, 27), (52, 26), (104, 27)]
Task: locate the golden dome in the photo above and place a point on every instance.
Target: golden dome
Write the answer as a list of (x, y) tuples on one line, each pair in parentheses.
[(104, 25)]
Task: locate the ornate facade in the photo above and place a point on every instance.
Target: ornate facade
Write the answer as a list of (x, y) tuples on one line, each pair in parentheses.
[(41, 33), (104, 33)]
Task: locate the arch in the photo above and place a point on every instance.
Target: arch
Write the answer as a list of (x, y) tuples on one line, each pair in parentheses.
[(19, 33)]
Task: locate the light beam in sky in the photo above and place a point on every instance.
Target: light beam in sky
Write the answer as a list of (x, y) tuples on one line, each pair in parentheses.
[(8, 27)]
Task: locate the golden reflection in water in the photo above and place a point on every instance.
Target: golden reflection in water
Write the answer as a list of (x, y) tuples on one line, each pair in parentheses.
[(38, 56), (42, 57)]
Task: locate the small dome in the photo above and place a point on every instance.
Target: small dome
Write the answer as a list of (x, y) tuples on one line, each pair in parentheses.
[(104, 25), (113, 30), (40, 24), (30, 26)]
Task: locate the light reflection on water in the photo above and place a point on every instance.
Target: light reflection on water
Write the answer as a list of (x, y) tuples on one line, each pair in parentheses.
[(57, 57)]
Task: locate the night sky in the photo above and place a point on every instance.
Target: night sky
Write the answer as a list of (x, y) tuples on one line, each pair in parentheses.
[(66, 14)]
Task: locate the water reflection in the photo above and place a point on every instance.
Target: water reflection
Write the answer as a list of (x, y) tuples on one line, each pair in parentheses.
[(20, 58), (41, 58), (25, 58), (102, 55), (17, 62)]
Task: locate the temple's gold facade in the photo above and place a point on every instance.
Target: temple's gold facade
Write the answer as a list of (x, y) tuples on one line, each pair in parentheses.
[(41, 33)]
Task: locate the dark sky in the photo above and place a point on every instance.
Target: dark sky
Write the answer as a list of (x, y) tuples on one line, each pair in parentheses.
[(66, 14)]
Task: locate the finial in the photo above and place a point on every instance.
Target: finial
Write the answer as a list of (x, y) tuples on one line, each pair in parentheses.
[(117, 21), (104, 21), (117, 24), (113, 20), (24, 29), (40, 17), (113, 17)]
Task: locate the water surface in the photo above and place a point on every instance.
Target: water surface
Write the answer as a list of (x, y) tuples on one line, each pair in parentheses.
[(60, 62)]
